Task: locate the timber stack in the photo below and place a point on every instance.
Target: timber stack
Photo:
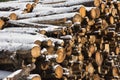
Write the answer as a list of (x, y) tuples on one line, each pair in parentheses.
[(60, 40)]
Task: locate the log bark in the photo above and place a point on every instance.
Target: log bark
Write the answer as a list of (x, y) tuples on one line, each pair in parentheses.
[(34, 77), (52, 17), (19, 48), (21, 74)]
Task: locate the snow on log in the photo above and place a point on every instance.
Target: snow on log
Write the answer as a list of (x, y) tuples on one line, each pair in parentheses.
[(20, 37), (13, 4), (34, 77), (19, 48), (50, 11), (3, 74), (21, 73), (69, 3), (21, 30), (41, 11), (25, 38), (51, 17)]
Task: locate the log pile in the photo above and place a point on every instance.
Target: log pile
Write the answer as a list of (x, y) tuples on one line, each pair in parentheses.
[(76, 43)]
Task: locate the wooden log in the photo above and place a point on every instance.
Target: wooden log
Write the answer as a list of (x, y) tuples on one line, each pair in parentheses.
[(46, 43), (34, 77), (115, 72), (19, 48), (54, 22), (90, 69), (50, 17), (29, 8), (97, 3), (92, 49), (99, 60), (36, 1), (2, 23), (117, 50), (61, 55), (39, 12), (82, 11), (58, 71), (13, 16), (52, 1), (71, 3), (21, 74), (77, 18), (93, 13), (25, 30), (55, 72)]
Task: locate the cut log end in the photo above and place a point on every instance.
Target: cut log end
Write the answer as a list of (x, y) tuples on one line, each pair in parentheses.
[(34, 77), (61, 55), (93, 13), (42, 32), (111, 20), (36, 1), (58, 72), (13, 16), (2, 23), (82, 11), (38, 42), (28, 6), (97, 3), (77, 18), (35, 52)]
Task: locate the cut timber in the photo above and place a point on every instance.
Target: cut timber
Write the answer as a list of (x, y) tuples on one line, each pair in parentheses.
[(22, 73), (97, 12), (117, 50), (34, 77), (39, 11), (97, 3), (36, 1), (54, 22), (77, 18), (50, 17), (19, 48), (35, 52), (28, 6), (61, 55), (46, 43), (2, 23), (99, 60), (52, 1), (115, 72), (71, 3), (27, 30), (92, 49), (82, 11), (38, 42), (111, 19), (90, 69), (93, 13), (19, 37), (13, 16), (58, 71)]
